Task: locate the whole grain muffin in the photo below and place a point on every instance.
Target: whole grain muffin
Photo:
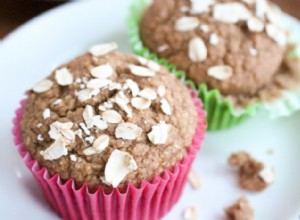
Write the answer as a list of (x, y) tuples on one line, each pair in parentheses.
[(108, 119), (235, 46)]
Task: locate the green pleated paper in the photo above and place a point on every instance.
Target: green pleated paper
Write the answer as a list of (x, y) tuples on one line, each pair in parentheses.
[(221, 114)]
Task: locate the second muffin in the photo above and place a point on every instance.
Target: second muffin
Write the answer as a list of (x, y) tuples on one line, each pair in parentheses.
[(235, 49)]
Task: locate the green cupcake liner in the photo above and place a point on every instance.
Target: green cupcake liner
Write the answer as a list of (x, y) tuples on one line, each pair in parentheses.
[(221, 113)]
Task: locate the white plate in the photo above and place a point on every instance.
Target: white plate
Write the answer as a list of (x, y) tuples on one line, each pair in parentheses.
[(31, 52)]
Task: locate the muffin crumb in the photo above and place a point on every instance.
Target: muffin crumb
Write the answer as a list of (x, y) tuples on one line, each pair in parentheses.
[(270, 151), (240, 210), (194, 180), (253, 175), (190, 213)]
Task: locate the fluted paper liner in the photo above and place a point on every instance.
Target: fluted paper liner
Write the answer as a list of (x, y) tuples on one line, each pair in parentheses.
[(221, 113), (150, 201)]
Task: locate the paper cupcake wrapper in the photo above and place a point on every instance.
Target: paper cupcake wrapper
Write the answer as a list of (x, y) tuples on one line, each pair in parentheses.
[(150, 201), (222, 114)]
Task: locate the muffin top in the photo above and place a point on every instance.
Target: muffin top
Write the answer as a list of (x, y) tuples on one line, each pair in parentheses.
[(235, 46), (108, 118)]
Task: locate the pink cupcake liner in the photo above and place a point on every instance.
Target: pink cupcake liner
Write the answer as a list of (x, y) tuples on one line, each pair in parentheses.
[(152, 200)]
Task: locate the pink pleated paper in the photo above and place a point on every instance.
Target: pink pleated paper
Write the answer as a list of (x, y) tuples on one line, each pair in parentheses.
[(150, 201)]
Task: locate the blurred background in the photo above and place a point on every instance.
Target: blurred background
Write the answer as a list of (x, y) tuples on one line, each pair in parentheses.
[(14, 13)]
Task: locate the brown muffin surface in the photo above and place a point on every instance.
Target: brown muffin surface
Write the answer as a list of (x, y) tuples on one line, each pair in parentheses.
[(141, 110), (234, 46)]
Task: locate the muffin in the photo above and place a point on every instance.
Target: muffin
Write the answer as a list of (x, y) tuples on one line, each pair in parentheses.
[(111, 133), (235, 52)]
